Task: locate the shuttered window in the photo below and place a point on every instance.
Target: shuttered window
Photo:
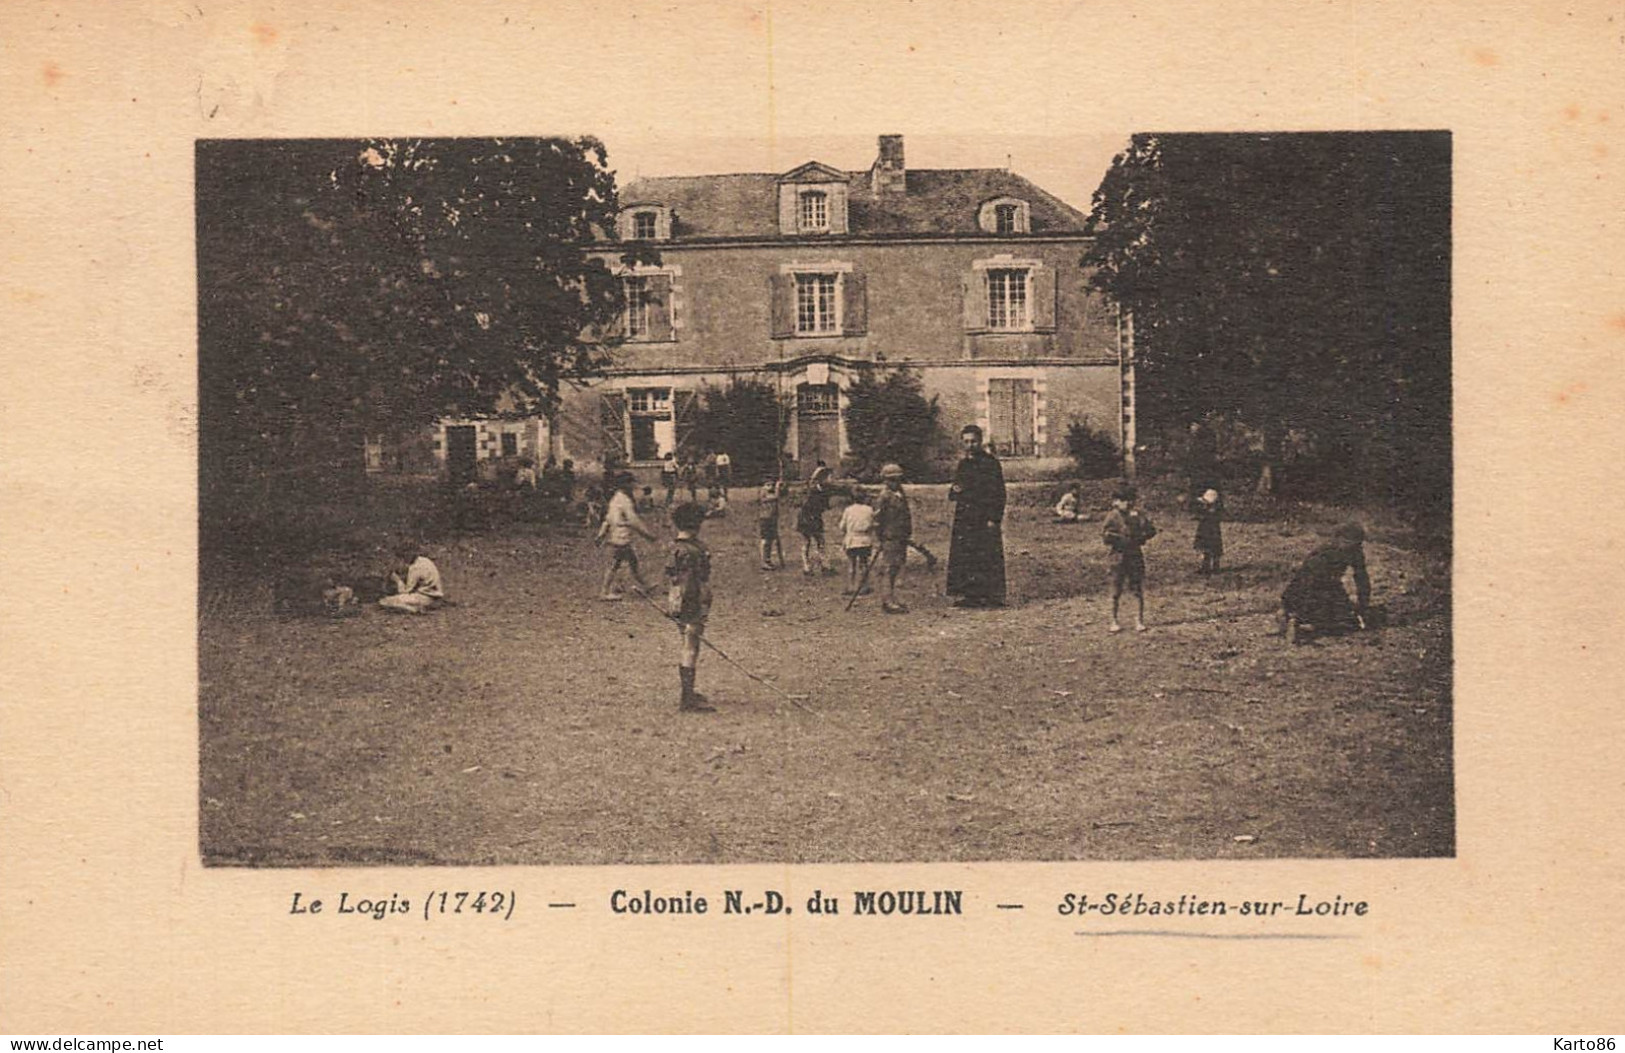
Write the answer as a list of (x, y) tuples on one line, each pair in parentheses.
[(815, 304), (637, 307), (1012, 405), (1007, 299)]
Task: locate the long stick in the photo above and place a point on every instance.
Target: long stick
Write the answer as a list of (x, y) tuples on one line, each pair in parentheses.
[(793, 700), (861, 583)]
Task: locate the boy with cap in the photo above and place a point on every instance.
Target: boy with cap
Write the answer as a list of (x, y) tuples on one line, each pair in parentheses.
[(1125, 533), (688, 598), (621, 521), (894, 525)]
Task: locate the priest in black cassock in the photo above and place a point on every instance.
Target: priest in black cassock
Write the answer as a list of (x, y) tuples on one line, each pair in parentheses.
[(976, 549)]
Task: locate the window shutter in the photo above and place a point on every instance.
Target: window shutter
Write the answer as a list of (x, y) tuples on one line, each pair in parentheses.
[(683, 405), (986, 219), (781, 294), (855, 308), (660, 313), (975, 301), (788, 220), (1044, 292), (612, 419), (837, 209)]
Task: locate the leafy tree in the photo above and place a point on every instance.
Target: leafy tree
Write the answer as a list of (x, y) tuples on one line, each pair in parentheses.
[(1298, 284), (349, 288), (888, 418), (746, 420)]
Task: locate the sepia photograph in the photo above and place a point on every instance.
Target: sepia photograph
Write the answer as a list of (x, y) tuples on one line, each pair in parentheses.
[(856, 518), (910, 498)]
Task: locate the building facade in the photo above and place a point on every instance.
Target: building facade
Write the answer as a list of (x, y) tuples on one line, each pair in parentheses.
[(799, 280)]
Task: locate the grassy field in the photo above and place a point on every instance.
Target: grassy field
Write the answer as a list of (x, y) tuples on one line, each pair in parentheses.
[(534, 724)]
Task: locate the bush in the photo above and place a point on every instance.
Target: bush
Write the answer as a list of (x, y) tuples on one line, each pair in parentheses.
[(746, 421), (889, 419), (1094, 455)]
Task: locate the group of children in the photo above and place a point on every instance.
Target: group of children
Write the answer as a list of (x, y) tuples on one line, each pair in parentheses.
[(880, 528), (873, 527)]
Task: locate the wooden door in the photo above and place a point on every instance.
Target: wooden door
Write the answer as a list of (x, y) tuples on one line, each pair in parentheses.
[(462, 450)]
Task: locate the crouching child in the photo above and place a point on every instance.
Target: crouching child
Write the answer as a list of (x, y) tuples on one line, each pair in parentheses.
[(1316, 599), (688, 599)]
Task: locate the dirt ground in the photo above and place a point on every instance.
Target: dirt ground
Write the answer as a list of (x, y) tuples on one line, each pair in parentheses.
[(533, 723)]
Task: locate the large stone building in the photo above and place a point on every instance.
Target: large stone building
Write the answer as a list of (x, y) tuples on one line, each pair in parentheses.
[(799, 279)]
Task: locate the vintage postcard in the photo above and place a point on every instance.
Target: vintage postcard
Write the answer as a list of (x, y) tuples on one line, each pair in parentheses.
[(861, 518)]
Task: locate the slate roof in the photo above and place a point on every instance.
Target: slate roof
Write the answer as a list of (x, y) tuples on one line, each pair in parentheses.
[(938, 201)]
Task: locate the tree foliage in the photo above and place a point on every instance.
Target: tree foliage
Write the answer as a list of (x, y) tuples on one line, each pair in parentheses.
[(888, 418), (349, 288), (1298, 284), (746, 420), (1094, 454)]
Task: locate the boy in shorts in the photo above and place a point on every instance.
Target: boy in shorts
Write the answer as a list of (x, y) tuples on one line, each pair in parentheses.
[(688, 599), (858, 539), (621, 521), (1125, 533), (810, 521), (668, 478), (894, 525), (767, 524)]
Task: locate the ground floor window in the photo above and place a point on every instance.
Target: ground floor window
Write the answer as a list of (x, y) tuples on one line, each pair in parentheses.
[(645, 423), (818, 398)]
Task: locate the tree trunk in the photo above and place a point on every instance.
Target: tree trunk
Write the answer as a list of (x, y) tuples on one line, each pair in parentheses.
[(1272, 456)]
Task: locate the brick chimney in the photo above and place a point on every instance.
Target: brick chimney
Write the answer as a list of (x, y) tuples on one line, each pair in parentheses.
[(888, 176)]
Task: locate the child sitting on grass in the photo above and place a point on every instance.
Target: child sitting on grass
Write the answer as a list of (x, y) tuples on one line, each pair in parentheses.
[(420, 590), (1066, 509)]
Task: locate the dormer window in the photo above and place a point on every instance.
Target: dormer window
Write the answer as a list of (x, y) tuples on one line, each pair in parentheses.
[(644, 222), (814, 211), (1005, 215), (812, 200)]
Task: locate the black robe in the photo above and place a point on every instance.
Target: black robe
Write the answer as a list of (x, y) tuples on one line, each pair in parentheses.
[(1316, 594), (976, 547)]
